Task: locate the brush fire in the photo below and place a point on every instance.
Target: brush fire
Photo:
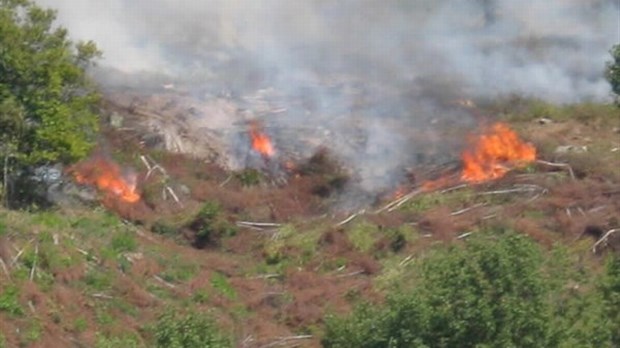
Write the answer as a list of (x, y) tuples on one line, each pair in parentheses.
[(494, 153), (108, 178), (261, 142)]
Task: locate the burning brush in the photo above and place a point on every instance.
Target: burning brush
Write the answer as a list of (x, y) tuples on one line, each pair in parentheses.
[(261, 143), (108, 177), (493, 154)]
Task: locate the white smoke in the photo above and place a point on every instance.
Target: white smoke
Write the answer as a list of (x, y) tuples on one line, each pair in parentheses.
[(402, 59), (551, 49)]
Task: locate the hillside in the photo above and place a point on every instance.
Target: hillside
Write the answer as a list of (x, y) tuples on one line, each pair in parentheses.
[(269, 250)]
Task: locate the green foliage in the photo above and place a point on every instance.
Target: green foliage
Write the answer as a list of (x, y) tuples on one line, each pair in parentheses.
[(46, 100), (210, 224), (249, 177), (221, 284), (123, 241), (9, 301), (493, 292), (80, 324), (610, 289), (612, 72), (116, 342), (192, 330), (164, 229), (362, 236)]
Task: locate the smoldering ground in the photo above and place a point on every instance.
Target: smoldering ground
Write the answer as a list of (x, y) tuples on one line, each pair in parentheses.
[(376, 67)]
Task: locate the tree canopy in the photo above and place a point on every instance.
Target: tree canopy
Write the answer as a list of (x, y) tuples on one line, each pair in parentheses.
[(46, 100), (613, 71)]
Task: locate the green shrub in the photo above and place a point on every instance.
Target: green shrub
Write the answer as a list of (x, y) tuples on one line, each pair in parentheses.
[(498, 290), (192, 330), (9, 301), (164, 229), (123, 242), (210, 224), (116, 342), (249, 177), (486, 294)]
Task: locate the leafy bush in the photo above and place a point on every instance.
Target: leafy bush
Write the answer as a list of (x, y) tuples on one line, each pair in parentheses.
[(210, 225), (9, 301), (188, 331), (116, 342), (249, 177), (610, 289), (493, 292)]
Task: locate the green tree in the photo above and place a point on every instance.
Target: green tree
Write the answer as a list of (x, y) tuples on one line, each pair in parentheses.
[(46, 100), (612, 72)]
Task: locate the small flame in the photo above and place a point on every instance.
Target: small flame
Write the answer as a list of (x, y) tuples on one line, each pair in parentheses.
[(260, 141), (495, 153), (107, 177)]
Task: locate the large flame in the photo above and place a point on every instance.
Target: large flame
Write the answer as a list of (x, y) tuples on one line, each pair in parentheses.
[(107, 177), (494, 153), (260, 141)]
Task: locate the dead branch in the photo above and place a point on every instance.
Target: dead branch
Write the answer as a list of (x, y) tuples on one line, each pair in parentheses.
[(517, 188), (604, 238), (174, 195), (350, 274), (247, 341), (284, 340), (350, 218), (20, 252), (465, 210), (259, 224), (253, 227), (103, 296), (597, 209), (391, 204), (5, 268), (561, 165), (87, 254), (268, 276), (406, 260), (400, 201), (453, 188), (464, 235), (159, 279), (151, 167), (226, 181)]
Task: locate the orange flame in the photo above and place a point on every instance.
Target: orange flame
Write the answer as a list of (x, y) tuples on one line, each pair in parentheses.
[(260, 141), (495, 153), (107, 177)]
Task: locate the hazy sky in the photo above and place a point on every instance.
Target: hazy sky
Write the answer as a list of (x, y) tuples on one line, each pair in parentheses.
[(554, 48)]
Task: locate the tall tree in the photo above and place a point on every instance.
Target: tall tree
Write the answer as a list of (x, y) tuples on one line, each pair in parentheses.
[(46, 100)]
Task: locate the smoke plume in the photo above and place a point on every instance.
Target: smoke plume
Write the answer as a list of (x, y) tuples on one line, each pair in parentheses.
[(359, 65)]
